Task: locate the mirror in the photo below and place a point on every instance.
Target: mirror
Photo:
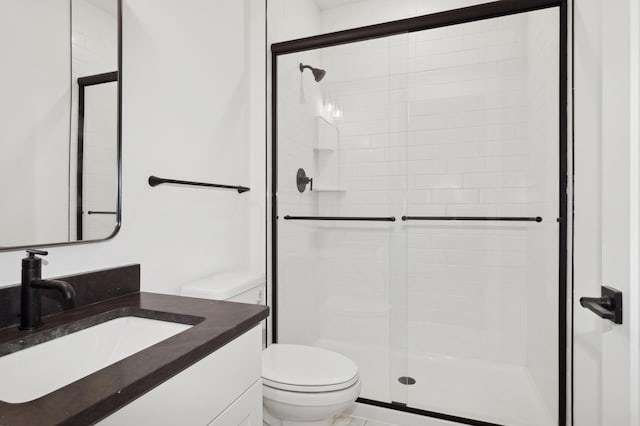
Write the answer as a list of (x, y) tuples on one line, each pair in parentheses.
[(59, 121)]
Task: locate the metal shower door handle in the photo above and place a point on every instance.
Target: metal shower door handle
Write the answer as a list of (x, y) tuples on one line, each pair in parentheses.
[(607, 306)]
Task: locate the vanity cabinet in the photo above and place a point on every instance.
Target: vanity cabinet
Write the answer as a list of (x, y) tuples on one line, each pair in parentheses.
[(245, 411), (222, 389)]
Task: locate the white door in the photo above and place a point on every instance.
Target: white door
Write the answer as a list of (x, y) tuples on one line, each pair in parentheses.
[(605, 355)]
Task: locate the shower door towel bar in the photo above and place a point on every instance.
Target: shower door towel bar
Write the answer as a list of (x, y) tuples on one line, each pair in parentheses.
[(100, 212), (347, 218), (470, 218), (155, 181)]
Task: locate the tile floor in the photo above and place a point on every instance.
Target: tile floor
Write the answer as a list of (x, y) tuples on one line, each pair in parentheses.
[(345, 420)]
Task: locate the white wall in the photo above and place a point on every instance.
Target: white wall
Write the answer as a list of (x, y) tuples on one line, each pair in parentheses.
[(292, 19), (587, 247), (605, 369), (34, 118), (367, 12), (94, 39), (186, 114)]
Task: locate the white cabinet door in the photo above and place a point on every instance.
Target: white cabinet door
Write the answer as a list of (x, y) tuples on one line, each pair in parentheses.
[(605, 355), (202, 391), (245, 411)]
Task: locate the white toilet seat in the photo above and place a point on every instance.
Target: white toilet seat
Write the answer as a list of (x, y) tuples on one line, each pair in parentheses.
[(309, 389), (299, 368)]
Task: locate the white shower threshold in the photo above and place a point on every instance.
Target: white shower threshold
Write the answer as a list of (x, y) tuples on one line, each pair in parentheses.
[(473, 389)]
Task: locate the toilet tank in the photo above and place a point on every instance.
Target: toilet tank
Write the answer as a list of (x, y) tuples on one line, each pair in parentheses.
[(234, 286)]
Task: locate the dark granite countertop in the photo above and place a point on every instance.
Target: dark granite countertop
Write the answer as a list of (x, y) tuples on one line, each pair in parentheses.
[(94, 397)]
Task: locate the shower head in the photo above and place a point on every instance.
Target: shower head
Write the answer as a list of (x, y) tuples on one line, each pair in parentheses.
[(318, 74)]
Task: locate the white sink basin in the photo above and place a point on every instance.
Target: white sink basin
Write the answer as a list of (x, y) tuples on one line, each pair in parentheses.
[(41, 369)]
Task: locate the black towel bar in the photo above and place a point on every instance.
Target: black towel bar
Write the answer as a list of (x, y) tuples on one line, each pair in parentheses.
[(347, 218), (155, 181), (485, 218)]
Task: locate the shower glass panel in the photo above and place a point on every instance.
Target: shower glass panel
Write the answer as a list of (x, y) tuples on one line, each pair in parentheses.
[(342, 282), (426, 246), (483, 294)]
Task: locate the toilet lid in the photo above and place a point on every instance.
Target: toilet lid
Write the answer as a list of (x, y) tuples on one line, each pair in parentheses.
[(306, 369)]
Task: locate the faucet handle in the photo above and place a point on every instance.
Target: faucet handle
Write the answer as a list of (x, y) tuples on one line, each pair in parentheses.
[(33, 252)]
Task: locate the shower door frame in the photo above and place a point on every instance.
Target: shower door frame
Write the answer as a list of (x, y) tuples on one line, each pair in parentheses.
[(83, 83), (464, 15)]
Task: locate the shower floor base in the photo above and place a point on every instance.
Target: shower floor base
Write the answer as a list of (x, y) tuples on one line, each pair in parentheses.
[(501, 394)]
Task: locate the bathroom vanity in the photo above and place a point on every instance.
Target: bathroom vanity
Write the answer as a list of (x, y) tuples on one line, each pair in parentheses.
[(223, 389), (208, 372)]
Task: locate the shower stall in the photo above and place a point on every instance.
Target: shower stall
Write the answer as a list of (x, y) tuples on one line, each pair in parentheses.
[(419, 220)]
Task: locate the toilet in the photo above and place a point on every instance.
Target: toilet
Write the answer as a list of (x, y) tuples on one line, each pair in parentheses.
[(302, 385)]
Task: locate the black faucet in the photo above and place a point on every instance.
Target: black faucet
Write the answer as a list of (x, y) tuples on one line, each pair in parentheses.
[(30, 303)]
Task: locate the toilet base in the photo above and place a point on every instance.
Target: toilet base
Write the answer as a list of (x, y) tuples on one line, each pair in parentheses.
[(286, 408), (269, 420)]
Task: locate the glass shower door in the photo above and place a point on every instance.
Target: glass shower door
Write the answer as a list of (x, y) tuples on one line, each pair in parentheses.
[(483, 292), (418, 214), (341, 255)]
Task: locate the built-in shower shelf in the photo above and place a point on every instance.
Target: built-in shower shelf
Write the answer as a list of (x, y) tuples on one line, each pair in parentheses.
[(330, 189)]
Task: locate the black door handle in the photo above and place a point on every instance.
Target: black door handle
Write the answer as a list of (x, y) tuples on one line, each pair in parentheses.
[(607, 306)]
